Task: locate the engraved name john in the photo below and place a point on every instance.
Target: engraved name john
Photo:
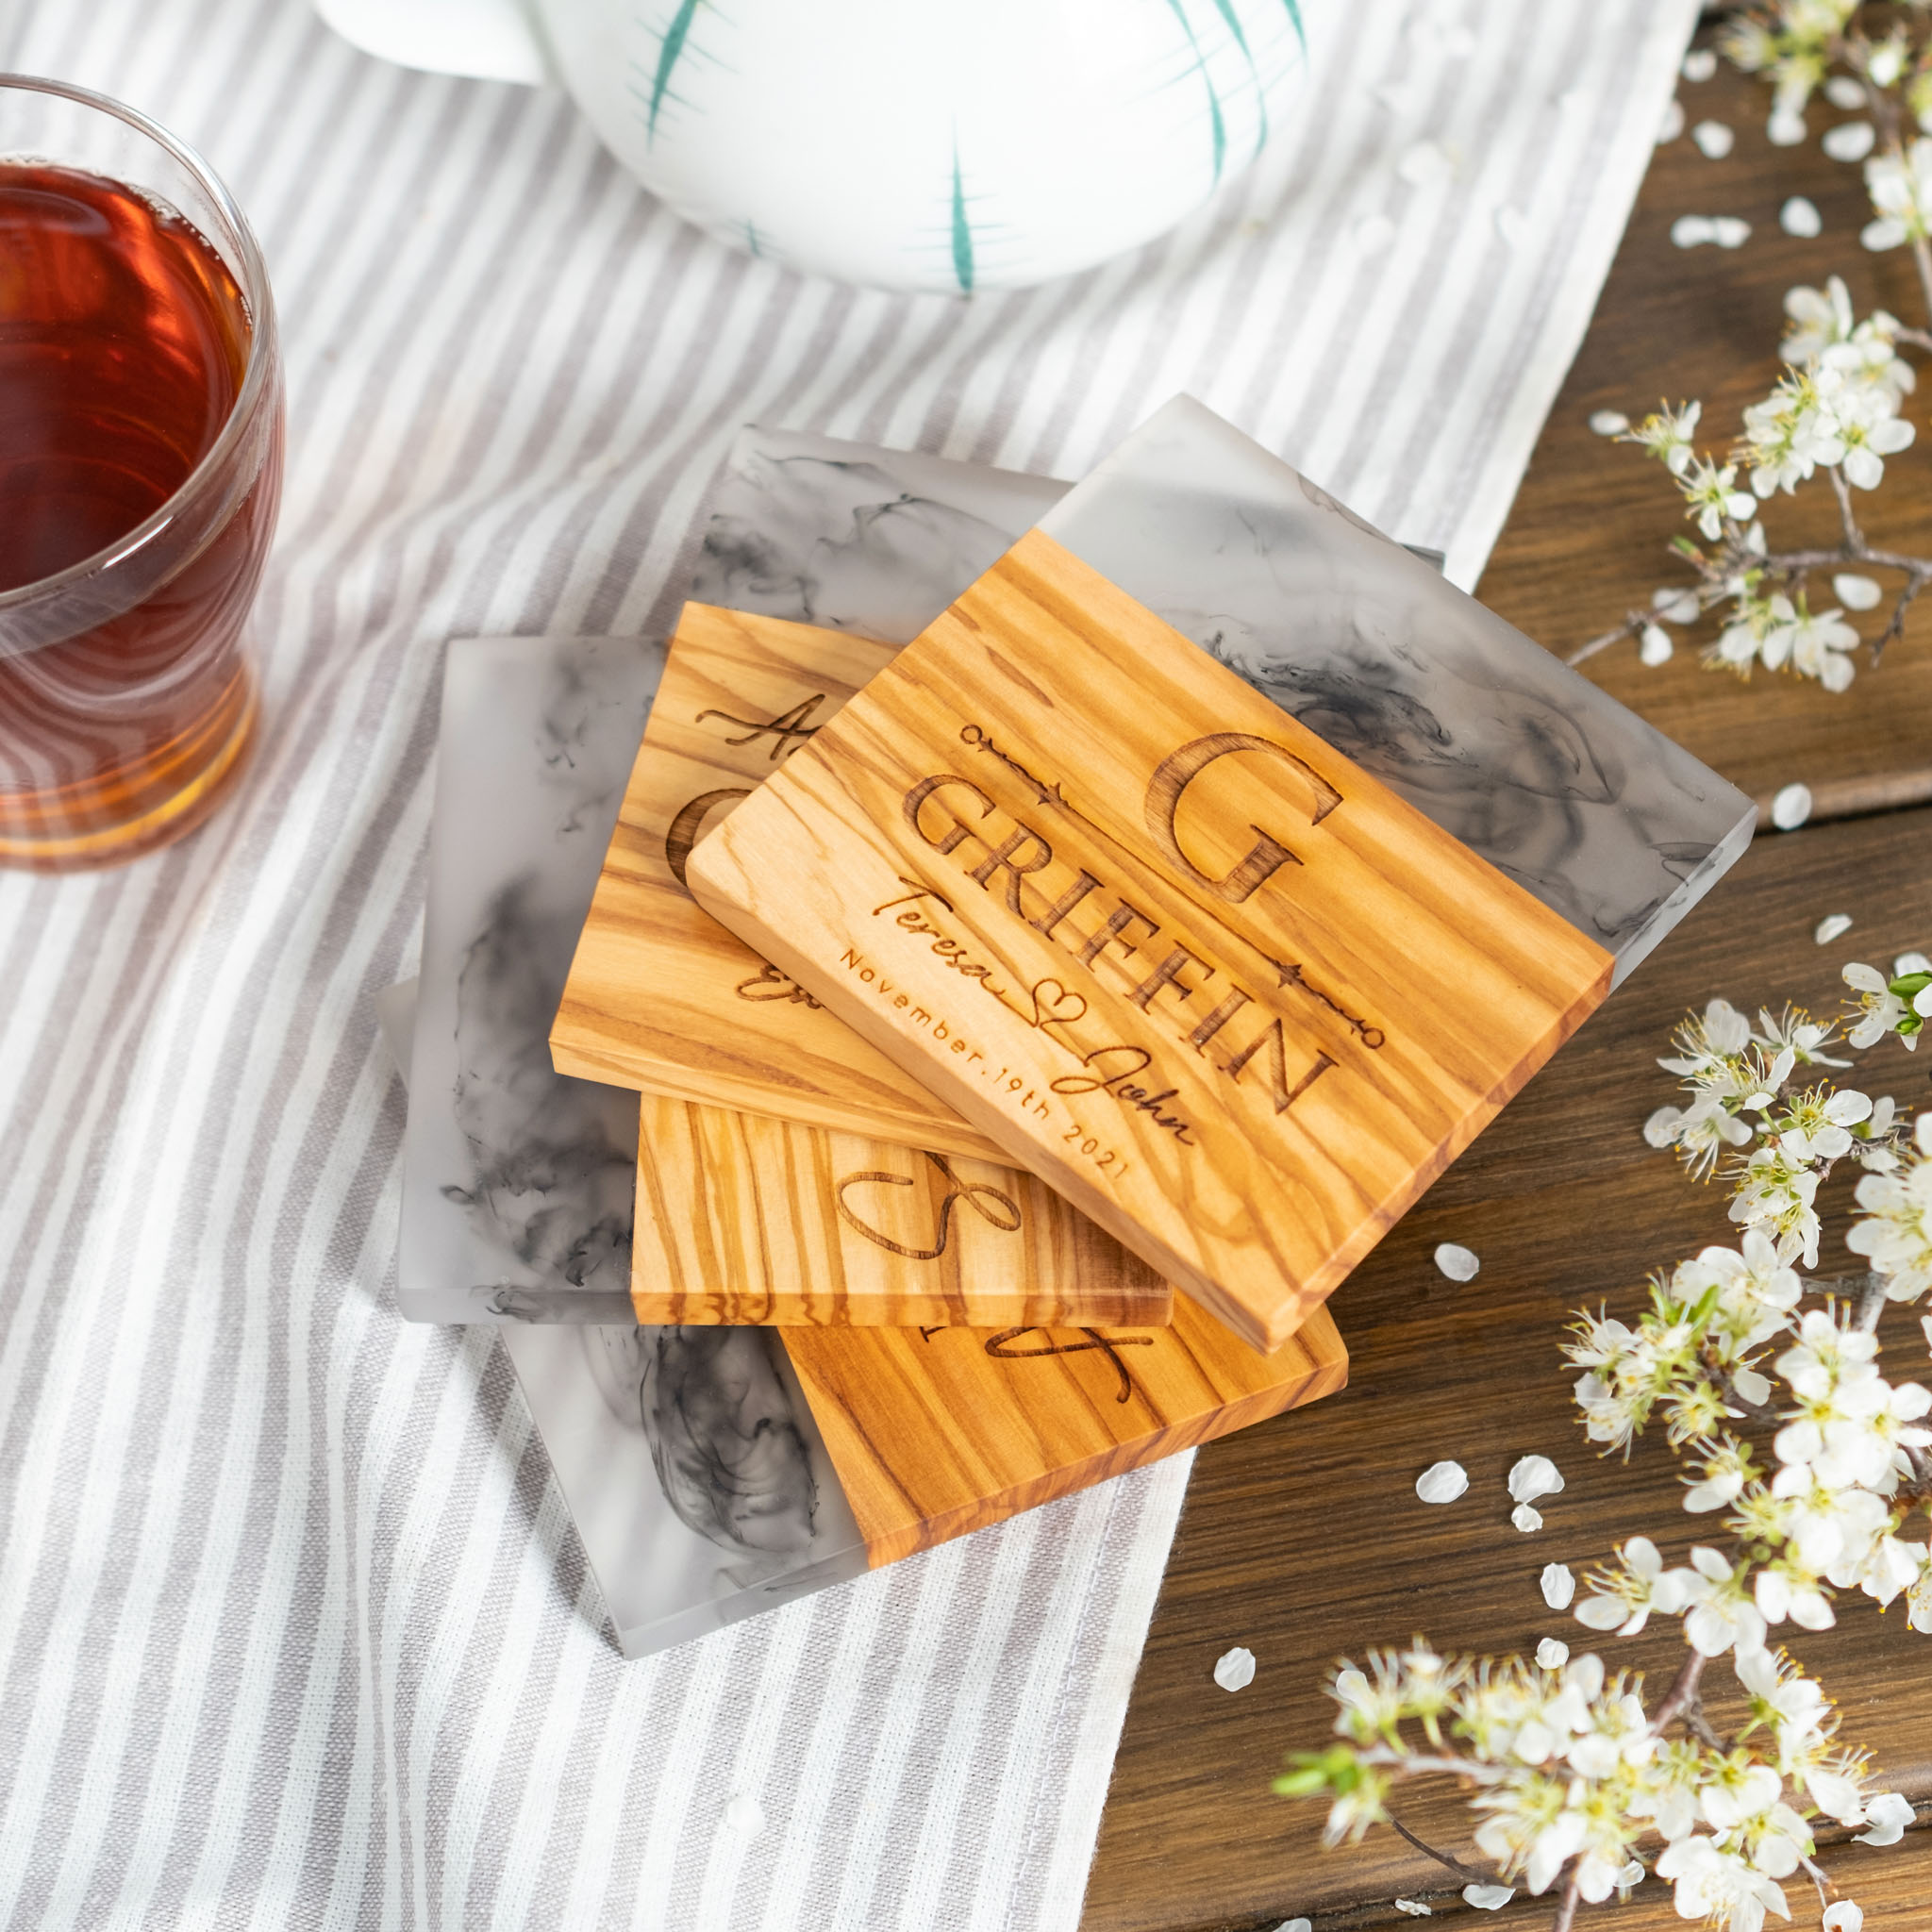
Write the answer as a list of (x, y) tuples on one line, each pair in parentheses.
[(1007, 855)]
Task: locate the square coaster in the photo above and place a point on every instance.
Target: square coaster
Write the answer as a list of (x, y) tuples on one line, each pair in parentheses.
[(1225, 989)]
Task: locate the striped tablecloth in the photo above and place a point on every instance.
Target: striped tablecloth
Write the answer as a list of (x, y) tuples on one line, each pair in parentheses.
[(294, 1628)]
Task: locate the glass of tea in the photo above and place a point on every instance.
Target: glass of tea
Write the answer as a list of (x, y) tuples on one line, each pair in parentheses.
[(140, 466)]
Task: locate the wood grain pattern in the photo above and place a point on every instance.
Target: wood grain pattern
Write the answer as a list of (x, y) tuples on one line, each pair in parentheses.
[(935, 1432), (748, 1219), (1232, 997), (659, 995)]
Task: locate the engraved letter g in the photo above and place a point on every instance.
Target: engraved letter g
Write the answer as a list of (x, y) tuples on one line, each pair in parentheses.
[(1179, 770)]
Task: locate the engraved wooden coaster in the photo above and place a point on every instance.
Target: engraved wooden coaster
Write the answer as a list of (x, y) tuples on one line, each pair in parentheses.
[(742, 1219), (660, 996), (936, 1432), (1228, 994)]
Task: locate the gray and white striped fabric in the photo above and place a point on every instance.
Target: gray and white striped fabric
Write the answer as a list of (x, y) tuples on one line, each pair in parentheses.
[(294, 1628)]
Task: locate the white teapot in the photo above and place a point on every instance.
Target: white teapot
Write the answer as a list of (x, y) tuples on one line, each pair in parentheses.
[(933, 144)]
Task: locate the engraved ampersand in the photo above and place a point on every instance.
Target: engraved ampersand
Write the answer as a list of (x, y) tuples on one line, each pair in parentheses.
[(992, 1204)]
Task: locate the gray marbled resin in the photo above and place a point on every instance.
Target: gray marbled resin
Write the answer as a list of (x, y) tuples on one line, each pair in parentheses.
[(1591, 809), (1553, 782)]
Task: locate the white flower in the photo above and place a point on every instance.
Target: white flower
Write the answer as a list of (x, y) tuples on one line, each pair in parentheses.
[(1901, 191), (1720, 1886), (1816, 1125), (1534, 1476), (1779, 1592), (1880, 1008), (1622, 1600), (1724, 1615), (1726, 1469), (1890, 1813), (1774, 1194), (1559, 1586), (1666, 434), (1896, 1235), (1814, 644), (1828, 1528), (1699, 1132)]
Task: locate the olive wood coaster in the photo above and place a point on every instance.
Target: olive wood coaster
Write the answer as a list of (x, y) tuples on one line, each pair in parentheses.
[(742, 1219), (662, 997), (1225, 990), (937, 1431)]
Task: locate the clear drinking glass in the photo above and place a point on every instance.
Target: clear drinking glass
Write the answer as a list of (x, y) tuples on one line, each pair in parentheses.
[(141, 463)]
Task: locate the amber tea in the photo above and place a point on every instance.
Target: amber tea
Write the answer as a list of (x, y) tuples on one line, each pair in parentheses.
[(126, 706)]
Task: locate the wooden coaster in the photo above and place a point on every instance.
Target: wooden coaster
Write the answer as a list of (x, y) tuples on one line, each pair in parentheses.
[(742, 1219), (1228, 994), (937, 1431), (663, 998)]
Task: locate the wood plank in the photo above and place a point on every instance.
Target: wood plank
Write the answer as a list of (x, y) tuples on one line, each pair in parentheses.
[(1586, 535), (742, 1219), (663, 998), (1307, 1542), (937, 1431), (1240, 1019)]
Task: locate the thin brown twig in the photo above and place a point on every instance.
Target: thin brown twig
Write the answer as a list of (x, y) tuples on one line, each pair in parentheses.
[(1464, 1872), (1565, 1920), (1854, 538), (1683, 1692)]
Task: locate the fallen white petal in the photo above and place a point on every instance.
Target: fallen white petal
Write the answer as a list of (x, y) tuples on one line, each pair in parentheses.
[(1559, 1585), (1528, 1520), (1414, 1908), (1441, 1482), (1851, 140), (1234, 1670), (1688, 231), (1609, 422), (1488, 1898), (1855, 592), (1458, 1263), (1372, 234), (1784, 129), (1552, 1653), (1831, 925), (1699, 63), (1845, 1916), (1714, 139), (1534, 1476), (1890, 1813), (1790, 808), (1672, 125), (1295, 1925), (1730, 232), (1799, 216), (1841, 90), (744, 1814), (1423, 163)]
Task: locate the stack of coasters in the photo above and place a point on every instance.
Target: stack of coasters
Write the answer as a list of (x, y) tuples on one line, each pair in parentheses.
[(1208, 857)]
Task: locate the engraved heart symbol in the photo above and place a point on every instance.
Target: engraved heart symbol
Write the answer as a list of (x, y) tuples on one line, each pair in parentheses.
[(1056, 1004)]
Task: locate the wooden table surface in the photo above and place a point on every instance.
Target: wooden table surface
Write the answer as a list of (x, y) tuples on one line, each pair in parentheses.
[(1303, 1538)]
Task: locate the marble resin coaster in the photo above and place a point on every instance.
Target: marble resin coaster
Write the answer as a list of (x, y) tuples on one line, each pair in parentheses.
[(689, 1461)]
